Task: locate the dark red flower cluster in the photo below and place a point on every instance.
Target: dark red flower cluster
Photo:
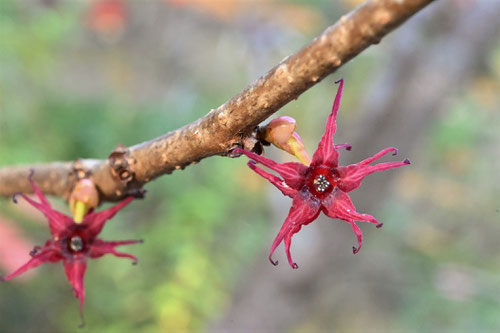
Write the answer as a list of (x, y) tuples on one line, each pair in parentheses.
[(322, 186), (73, 242)]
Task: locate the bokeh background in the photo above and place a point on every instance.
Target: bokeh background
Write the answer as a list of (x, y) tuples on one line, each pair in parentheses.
[(79, 77)]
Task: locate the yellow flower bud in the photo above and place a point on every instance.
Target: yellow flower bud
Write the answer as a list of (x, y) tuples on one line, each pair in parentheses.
[(83, 198), (281, 133)]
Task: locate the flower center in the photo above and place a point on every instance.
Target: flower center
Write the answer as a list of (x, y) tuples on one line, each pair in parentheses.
[(321, 183), (76, 244)]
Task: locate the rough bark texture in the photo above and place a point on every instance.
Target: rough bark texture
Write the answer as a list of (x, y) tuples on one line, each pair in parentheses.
[(230, 125), (431, 61)]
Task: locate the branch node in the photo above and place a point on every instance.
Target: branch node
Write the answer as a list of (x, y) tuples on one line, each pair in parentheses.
[(253, 142), (80, 171), (119, 162)]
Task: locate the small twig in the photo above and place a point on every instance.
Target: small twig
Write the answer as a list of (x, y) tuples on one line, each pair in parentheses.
[(232, 124)]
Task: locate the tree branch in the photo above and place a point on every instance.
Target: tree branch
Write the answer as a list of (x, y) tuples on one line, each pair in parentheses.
[(229, 126)]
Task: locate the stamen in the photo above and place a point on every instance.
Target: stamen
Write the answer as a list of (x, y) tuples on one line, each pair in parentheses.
[(321, 183), (76, 243)]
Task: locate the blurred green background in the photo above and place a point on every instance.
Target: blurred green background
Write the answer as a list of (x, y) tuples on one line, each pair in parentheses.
[(79, 77)]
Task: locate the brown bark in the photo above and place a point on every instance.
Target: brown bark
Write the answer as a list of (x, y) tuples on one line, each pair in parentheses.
[(231, 124)]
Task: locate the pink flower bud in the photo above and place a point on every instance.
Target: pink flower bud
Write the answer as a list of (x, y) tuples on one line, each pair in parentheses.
[(281, 133), (83, 199)]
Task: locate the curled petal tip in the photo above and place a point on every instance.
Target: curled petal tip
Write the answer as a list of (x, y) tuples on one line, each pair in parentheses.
[(275, 263), (140, 241), (345, 146), (379, 225), (355, 250), (396, 151), (30, 176), (295, 266), (14, 197), (340, 80), (406, 161), (134, 263)]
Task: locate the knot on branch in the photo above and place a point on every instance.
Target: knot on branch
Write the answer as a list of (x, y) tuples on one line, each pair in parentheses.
[(77, 172), (120, 166), (260, 134), (80, 171), (253, 142)]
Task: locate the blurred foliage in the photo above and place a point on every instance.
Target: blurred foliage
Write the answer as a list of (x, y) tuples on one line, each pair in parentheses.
[(450, 202), (68, 92), (197, 239)]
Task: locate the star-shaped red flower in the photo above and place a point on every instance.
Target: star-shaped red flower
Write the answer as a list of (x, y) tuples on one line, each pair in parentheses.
[(73, 242), (322, 186)]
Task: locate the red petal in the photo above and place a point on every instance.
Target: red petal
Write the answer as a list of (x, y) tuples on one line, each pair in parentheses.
[(338, 205), (75, 271), (352, 175), (293, 173), (359, 235), (326, 154), (47, 255), (276, 181), (96, 221), (305, 209), (378, 155), (100, 248), (58, 222), (38, 193)]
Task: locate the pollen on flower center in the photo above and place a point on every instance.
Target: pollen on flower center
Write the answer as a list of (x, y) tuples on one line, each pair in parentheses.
[(76, 243), (321, 183)]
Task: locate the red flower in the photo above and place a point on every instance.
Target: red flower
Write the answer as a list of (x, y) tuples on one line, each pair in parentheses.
[(73, 242), (322, 186)]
